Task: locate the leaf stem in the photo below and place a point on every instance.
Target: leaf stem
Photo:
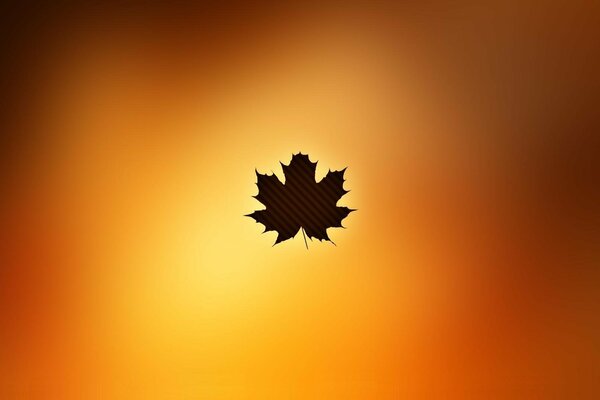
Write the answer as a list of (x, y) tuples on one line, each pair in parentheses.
[(304, 238)]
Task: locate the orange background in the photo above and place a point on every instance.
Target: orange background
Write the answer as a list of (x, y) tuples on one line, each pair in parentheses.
[(470, 269)]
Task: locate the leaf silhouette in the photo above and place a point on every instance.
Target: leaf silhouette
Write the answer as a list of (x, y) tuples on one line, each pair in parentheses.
[(301, 202)]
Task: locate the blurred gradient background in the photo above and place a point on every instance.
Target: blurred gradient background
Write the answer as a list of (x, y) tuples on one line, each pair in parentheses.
[(470, 131)]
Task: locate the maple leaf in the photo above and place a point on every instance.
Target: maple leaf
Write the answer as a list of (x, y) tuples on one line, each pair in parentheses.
[(301, 202)]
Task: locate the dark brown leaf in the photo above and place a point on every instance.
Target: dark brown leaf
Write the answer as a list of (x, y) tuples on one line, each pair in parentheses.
[(301, 202)]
